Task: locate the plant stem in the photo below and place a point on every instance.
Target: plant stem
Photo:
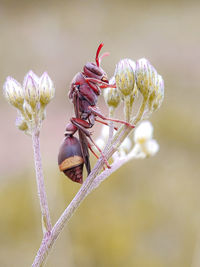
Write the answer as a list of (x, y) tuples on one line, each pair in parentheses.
[(46, 221), (49, 240)]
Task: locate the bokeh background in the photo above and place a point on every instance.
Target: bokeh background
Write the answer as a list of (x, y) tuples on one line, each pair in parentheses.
[(147, 213)]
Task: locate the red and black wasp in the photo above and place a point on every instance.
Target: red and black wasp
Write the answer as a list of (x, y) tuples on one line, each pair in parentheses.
[(84, 91)]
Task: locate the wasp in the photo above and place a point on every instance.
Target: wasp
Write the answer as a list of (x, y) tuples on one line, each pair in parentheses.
[(84, 91)]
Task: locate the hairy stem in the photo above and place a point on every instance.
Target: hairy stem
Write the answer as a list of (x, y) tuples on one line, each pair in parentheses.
[(49, 240), (46, 221)]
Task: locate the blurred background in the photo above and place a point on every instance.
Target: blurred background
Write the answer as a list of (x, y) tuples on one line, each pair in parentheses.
[(147, 213)]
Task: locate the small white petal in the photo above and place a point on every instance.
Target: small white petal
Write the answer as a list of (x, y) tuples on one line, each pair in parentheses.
[(105, 132), (100, 143), (126, 144), (151, 147), (137, 152), (143, 132), (122, 153)]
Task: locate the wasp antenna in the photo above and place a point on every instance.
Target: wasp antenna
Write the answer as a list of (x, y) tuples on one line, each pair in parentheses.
[(102, 56), (97, 54)]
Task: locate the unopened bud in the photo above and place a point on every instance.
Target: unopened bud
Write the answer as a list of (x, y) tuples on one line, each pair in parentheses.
[(21, 124), (28, 110), (124, 76), (13, 92), (31, 89), (111, 95), (157, 96), (46, 89), (145, 75)]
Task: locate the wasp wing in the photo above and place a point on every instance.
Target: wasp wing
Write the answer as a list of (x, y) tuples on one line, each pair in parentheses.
[(82, 137)]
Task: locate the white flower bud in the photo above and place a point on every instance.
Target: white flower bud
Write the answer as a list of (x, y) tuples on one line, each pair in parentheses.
[(21, 123), (124, 76), (31, 89), (157, 96), (46, 89), (145, 75), (28, 110), (143, 132), (13, 92), (111, 95)]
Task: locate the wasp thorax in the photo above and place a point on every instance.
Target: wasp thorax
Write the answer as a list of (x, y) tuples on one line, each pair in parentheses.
[(70, 159)]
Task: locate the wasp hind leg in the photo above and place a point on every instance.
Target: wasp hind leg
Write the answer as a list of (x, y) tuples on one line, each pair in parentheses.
[(82, 125)]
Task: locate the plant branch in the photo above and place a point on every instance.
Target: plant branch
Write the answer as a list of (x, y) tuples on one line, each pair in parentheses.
[(49, 240), (46, 221)]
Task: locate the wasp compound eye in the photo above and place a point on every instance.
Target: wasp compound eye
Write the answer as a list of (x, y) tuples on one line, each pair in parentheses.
[(70, 159)]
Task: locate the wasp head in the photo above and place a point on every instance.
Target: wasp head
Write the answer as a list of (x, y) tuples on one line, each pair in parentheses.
[(93, 70)]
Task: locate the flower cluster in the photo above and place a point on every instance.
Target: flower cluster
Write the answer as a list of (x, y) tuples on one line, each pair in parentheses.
[(132, 80), (141, 145), (141, 90), (30, 99)]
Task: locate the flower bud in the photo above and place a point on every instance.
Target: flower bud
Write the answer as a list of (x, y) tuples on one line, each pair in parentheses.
[(124, 76), (145, 76), (46, 89), (13, 92), (157, 96), (21, 123), (28, 110), (111, 95), (31, 89)]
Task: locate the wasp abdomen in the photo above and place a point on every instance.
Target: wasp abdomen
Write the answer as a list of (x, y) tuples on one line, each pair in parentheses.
[(70, 159)]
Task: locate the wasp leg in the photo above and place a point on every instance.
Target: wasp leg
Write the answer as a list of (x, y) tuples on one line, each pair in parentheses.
[(105, 123), (103, 156), (90, 147), (88, 134), (98, 113)]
